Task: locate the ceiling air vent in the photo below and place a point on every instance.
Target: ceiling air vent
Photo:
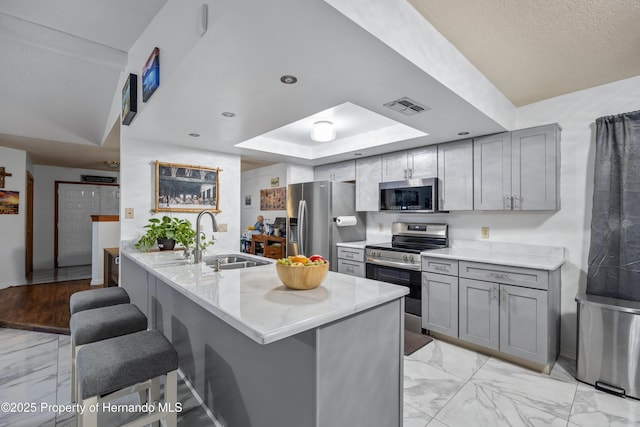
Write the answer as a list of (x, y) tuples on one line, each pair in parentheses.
[(407, 106)]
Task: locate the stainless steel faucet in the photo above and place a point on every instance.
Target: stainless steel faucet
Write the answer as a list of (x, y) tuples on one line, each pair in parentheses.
[(197, 252)]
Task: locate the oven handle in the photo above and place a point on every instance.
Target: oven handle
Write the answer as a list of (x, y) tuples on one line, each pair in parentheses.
[(396, 264)]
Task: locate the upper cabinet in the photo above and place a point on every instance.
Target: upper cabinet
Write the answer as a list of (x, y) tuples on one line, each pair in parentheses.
[(368, 176), (418, 163), (342, 171), (518, 170), (455, 175)]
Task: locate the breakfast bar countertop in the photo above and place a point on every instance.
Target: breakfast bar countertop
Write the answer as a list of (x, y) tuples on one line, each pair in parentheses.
[(255, 302)]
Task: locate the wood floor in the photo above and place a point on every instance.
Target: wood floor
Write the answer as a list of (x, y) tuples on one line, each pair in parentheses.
[(43, 307)]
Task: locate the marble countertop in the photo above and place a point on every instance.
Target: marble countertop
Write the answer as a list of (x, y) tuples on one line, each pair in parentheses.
[(511, 254), (256, 303)]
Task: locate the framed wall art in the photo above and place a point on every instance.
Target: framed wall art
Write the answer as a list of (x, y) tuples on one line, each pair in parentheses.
[(273, 199), (151, 75), (129, 99), (187, 188), (9, 202)]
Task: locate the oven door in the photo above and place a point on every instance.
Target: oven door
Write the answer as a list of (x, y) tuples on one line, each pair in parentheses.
[(411, 279)]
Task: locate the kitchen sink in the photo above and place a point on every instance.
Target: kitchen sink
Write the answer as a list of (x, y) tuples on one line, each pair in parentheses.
[(230, 262)]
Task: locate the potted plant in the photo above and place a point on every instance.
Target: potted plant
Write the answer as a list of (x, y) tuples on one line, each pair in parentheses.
[(166, 232)]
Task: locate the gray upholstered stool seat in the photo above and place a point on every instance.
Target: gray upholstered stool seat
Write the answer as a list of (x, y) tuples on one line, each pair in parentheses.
[(106, 322), (116, 363), (94, 298), (108, 368)]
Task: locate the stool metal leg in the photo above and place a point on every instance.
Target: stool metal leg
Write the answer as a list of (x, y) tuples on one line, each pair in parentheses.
[(171, 398), (74, 387), (88, 418)]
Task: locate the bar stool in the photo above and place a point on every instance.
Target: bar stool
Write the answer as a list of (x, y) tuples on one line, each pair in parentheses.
[(118, 366), (98, 324), (95, 298)]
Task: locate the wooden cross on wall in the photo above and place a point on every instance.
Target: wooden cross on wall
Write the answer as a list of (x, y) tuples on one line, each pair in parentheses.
[(2, 175)]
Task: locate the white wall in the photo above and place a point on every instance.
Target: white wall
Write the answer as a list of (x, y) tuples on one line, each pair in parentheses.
[(12, 252), (570, 226), (252, 182), (44, 200), (137, 172)]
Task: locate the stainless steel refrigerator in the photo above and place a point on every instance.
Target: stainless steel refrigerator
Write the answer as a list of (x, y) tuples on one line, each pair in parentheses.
[(312, 209)]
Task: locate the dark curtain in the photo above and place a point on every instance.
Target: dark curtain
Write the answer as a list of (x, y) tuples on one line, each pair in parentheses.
[(614, 254)]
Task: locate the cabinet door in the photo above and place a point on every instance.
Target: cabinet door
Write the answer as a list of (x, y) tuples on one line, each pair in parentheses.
[(492, 172), (440, 303), (523, 323), (394, 166), (479, 313), (368, 176), (535, 165), (455, 175), (344, 171), (323, 173), (423, 162)]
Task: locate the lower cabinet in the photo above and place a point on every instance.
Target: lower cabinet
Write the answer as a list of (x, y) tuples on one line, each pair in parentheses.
[(440, 303), (513, 310), (510, 319), (351, 261)]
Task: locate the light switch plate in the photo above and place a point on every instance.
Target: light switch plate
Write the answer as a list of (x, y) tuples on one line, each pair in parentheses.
[(485, 232), (222, 228), (380, 227), (128, 213)]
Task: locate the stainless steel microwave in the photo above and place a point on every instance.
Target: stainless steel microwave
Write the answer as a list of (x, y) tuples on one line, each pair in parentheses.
[(413, 195)]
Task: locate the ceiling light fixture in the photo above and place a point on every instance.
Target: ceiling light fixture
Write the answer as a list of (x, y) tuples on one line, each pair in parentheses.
[(463, 133), (288, 79), (323, 131), (194, 135), (228, 114)]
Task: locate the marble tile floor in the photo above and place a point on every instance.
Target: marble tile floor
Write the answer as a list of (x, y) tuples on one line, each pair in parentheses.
[(61, 274), (445, 386)]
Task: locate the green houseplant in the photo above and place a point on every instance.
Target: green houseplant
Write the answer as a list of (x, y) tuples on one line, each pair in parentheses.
[(173, 229)]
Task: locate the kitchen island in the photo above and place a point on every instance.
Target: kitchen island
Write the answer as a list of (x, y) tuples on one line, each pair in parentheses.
[(260, 354)]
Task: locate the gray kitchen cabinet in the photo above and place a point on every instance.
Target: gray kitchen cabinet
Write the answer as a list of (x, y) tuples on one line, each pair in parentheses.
[(440, 303), (479, 313), (511, 309), (455, 175), (517, 170), (341, 171), (351, 261), (368, 177), (417, 163)]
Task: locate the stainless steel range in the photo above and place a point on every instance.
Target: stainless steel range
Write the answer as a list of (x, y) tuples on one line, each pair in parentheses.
[(399, 262)]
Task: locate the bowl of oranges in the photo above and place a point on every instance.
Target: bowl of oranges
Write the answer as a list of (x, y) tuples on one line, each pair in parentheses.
[(300, 272)]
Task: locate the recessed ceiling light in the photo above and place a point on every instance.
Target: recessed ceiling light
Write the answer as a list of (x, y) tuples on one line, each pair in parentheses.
[(323, 131), (288, 79), (228, 114), (463, 133), (194, 135)]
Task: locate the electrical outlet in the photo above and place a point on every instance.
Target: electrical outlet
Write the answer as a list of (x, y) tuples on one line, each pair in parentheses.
[(222, 228), (485, 232), (128, 213), (380, 227)]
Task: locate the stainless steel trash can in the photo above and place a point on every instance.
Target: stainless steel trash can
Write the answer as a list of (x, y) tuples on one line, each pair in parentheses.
[(609, 344)]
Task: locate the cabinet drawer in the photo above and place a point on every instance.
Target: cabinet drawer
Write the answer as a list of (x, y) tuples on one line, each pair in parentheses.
[(518, 276), (352, 254), (440, 265), (351, 268)]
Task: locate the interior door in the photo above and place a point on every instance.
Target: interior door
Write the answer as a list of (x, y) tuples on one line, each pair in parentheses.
[(76, 202), (29, 228)]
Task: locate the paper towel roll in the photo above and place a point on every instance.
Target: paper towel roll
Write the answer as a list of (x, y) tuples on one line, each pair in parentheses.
[(345, 221)]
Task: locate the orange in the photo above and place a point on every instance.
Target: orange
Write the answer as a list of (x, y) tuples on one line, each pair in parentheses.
[(300, 258)]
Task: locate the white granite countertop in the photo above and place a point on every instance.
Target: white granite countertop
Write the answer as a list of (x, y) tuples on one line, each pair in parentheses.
[(256, 303), (512, 254)]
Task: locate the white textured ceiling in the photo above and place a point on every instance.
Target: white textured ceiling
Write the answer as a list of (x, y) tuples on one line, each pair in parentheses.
[(60, 63), (537, 49)]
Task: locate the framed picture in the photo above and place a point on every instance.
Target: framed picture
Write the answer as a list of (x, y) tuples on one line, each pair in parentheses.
[(273, 199), (187, 188), (247, 201), (129, 99), (9, 202), (151, 75)]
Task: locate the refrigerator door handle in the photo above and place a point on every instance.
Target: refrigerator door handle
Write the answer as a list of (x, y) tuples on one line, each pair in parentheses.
[(302, 210)]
